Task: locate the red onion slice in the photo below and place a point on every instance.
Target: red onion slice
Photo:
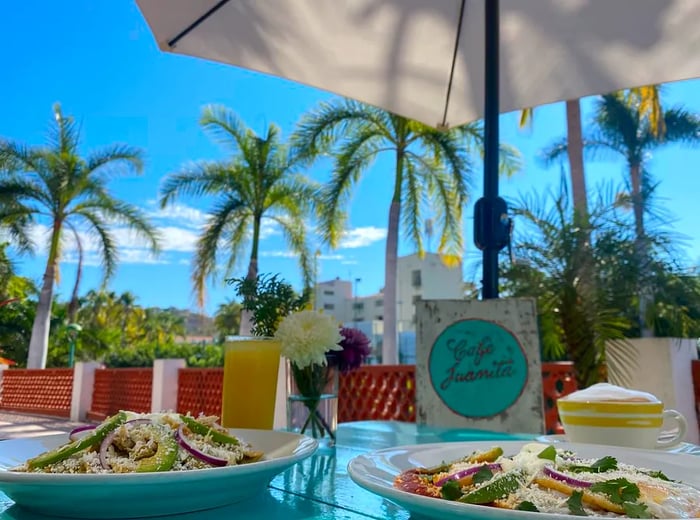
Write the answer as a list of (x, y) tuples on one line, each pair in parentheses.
[(73, 435), (109, 439), (466, 472), (552, 473), (192, 450)]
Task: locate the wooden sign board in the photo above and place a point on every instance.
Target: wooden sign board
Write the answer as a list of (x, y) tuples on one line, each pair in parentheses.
[(478, 365)]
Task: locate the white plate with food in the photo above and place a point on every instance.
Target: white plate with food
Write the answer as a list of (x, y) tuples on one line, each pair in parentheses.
[(140, 465), (681, 447), (515, 480)]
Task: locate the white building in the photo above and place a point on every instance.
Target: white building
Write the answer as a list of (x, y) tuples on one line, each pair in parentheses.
[(417, 278), (426, 278)]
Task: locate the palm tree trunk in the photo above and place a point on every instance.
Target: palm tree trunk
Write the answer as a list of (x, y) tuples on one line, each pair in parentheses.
[(390, 355), (574, 136), (39, 342), (645, 293), (246, 325), (73, 305)]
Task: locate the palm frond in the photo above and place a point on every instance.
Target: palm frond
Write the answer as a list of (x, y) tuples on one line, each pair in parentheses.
[(106, 243), (681, 127), (294, 232), (115, 160), (109, 210), (327, 124), (64, 135), (227, 213), (196, 180)]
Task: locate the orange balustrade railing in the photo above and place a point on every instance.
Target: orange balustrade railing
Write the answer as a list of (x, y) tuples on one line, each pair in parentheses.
[(385, 392), (44, 392), (199, 390), (382, 392), (558, 380), (120, 389)]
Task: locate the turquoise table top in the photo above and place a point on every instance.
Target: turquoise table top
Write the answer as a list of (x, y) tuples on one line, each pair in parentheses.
[(319, 487)]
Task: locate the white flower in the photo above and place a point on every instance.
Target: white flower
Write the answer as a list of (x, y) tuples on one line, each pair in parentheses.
[(306, 336)]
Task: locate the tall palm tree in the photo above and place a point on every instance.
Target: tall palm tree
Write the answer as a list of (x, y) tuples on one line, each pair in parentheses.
[(624, 129), (431, 171), (648, 98), (259, 181), (54, 184)]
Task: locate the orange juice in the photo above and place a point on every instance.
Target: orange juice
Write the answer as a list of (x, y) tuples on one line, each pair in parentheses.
[(251, 365)]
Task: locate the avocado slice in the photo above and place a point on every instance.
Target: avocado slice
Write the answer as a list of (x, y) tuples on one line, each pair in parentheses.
[(65, 451), (166, 454), (202, 429), (499, 488)]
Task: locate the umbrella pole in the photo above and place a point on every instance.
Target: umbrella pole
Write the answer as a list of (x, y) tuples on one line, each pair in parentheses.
[(491, 225)]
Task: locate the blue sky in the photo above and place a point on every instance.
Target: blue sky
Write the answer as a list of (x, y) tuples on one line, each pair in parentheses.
[(100, 62)]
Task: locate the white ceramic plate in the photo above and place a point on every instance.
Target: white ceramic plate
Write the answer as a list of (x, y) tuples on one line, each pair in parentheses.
[(136, 495), (376, 471), (682, 447)]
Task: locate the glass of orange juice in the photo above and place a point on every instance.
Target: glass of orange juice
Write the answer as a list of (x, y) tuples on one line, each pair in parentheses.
[(251, 365)]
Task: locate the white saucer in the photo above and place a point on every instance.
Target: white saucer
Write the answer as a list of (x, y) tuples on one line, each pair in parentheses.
[(681, 447)]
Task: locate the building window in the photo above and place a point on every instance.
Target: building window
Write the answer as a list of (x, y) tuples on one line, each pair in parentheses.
[(415, 276), (328, 293), (328, 306), (416, 298), (380, 318), (358, 306), (379, 303)]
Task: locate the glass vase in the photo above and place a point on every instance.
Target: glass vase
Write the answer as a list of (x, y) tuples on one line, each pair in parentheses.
[(312, 401)]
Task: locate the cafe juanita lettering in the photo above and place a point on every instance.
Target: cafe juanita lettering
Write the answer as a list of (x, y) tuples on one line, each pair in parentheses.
[(476, 362), (477, 368)]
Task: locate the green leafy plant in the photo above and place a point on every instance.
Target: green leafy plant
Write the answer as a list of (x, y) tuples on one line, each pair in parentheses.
[(269, 298)]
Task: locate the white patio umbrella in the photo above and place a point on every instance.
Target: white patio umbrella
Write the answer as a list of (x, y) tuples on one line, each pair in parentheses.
[(439, 62)]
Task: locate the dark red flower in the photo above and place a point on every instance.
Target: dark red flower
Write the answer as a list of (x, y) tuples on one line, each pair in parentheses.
[(355, 349)]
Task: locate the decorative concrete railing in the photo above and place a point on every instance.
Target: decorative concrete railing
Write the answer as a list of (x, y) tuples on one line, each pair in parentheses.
[(120, 389), (45, 392), (385, 392)]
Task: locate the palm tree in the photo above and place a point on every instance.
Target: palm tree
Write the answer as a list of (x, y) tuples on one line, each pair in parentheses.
[(623, 129), (259, 181), (577, 317), (227, 318), (55, 183), (648, 98), (431, 171)]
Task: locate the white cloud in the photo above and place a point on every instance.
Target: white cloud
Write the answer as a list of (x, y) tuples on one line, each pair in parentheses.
[(349, 262), (269, 228), (279, 254), (362, 237), (179, 215)]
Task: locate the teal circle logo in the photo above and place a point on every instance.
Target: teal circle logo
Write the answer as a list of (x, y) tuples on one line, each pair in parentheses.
[(477, 368)]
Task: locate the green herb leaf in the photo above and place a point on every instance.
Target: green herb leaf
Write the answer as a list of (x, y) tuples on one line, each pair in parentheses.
[(575, 504), (657, 474), (483, 475), (636, 510), (607, 463), (549, 453), (618, 490), (451, 490), (527, 506)]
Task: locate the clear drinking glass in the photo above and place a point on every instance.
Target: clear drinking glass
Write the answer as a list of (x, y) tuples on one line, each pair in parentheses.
[(251, 365)]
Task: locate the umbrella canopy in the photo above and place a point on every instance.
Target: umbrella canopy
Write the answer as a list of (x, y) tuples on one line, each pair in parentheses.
[(445, 62), (424, 59)]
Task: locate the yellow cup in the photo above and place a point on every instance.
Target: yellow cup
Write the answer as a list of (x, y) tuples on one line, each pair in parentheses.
[(251, 365), (635, 424)]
